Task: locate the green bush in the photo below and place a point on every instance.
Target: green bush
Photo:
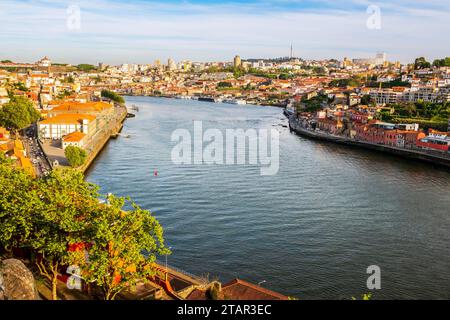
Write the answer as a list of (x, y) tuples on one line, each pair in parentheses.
[(113, 96), (18, 114), (76, 156)]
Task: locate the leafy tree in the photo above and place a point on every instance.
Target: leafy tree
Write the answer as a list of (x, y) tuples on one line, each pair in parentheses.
[(6, 61), (442, 62), (86, 67), (20, 86), (113, 96), (224, 84), (65, 93), (19, 113), (350, 82), (421, 63), (75, 155), (122, 247), (50, 215), (314, 104), (18, 200), (70, 79), (366, 99), (66, 202)]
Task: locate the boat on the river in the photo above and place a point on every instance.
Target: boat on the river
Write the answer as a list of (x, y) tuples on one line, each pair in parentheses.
[(235, 101)]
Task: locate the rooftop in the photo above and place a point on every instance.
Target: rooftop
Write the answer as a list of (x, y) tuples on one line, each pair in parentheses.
[(83, 107), (68, 119), (74, 137)]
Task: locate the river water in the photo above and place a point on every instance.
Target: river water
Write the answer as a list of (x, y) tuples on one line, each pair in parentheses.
[(309, 231)]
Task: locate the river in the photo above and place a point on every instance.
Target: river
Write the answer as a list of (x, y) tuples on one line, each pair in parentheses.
[(309, 231)]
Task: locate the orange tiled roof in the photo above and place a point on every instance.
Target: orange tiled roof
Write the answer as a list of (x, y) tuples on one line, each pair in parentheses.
[(76, 136), (82, 107), (68, 119)]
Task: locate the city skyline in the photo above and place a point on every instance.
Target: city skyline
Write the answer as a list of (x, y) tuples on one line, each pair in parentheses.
[(138, 31)]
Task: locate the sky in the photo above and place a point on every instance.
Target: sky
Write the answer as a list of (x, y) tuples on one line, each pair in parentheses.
[(140, 31)]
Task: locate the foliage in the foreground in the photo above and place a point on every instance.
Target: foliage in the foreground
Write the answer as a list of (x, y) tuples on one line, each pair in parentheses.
[(18, 114), (75, 155), (118, 239), (52, 215)]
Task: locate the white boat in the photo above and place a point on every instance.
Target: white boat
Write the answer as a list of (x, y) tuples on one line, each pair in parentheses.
[(235, 101), (183, 97)]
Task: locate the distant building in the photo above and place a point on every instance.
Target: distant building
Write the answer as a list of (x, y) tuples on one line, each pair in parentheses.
[(44, 62), (237, 62), (4, 98), (171, 65), (347, 63), (59, 126), (379, 60), (436, 140)]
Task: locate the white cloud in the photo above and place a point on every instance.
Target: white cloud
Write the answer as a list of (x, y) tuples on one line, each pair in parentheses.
[(129, 32)]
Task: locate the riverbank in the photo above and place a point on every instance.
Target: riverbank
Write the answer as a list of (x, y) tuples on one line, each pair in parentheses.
[(248, 102), (405, 153), (112, 131)]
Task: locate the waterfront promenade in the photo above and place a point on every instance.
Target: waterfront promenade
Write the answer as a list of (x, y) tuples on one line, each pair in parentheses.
[(438, 158), (101, 138)]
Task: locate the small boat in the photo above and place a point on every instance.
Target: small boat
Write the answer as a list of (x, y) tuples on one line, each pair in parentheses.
[(235, 101), (183, 97), (135, 108), (206, 99)]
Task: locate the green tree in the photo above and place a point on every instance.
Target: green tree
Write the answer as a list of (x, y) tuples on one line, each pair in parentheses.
[(75, 155), (18, 114), (66, 202), (366, 99), (20, 86), (122, 247), (113, 96), (224, 84), (65, 93), (421, 63), (86, 67), (18, 200)]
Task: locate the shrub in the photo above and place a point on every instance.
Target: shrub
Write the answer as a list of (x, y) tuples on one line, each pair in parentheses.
[(76, 156)]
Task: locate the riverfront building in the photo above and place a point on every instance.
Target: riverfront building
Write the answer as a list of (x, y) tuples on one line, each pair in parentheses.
[(74, 123), (76, 139), (59, 126)]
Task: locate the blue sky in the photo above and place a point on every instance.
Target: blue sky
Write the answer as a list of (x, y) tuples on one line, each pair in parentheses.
[(140, 31)]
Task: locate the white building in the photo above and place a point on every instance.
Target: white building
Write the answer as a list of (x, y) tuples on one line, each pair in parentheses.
[(4, 98), (61, 125), (76, 139), (44, 62)]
